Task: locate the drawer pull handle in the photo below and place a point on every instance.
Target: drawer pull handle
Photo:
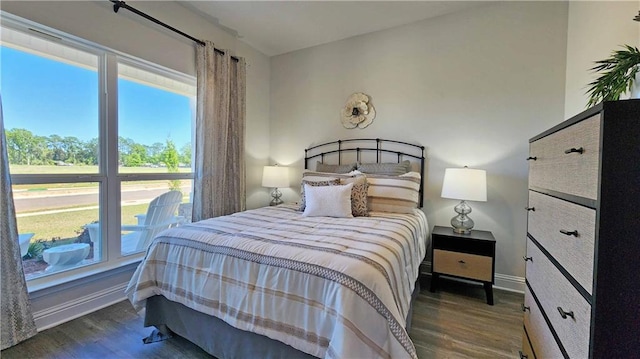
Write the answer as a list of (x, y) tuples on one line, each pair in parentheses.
[(532, 158), (533, 209), (569, 233), (527, 258), (525, 308), (523, 355), (574, 150), (462, 262), (564, 314)]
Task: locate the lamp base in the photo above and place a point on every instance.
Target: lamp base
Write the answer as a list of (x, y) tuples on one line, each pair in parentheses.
[(276, 194), (462, 224)]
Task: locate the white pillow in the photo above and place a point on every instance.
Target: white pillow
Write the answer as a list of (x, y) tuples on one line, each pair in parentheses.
[(328, 201)]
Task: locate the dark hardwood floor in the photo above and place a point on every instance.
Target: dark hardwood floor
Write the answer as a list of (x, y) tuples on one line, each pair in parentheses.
[(455, 322)]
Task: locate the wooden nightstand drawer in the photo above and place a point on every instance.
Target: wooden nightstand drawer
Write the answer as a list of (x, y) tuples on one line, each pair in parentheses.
[(469, 256), (463, 265)]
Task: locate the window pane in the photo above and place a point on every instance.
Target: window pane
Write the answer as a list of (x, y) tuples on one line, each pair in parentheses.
[(50, 105), (54, 226), (155, 116), (142, 221)]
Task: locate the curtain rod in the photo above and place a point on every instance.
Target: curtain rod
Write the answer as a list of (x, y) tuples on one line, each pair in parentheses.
[(117, 4)]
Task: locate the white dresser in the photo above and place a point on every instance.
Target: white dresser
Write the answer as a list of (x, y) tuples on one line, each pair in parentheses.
[(582, 297)]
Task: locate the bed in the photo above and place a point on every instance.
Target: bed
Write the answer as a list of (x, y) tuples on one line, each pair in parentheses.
[(276, 282)]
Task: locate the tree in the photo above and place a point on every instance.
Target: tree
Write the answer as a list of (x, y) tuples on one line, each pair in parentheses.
[(89, 152), (71, 146), (124, 149), (171, 159), (155, 152), (185, 154), (137, 156), (56, 147), (23, 146)]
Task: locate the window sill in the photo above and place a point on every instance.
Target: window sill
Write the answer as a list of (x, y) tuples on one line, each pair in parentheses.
[(68, 279)]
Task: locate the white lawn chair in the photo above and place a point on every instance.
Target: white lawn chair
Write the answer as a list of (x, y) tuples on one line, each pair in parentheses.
[(160, 216)]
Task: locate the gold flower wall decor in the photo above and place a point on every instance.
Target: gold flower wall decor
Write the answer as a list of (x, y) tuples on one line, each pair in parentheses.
[(358, 111)]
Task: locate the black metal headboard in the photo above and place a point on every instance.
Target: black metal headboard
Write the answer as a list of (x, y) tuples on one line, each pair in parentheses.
[(360, 146)]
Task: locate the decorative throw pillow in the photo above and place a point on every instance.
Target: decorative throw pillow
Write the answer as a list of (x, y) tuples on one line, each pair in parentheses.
[(389, 169), (323, 167), (358, 195), (397, 194), (330, 182), (328, 201)]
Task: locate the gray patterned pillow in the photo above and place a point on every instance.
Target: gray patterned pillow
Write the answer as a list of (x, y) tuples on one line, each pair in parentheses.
[(322, 167), (389, 169), (329, 182), (359, 200), (359, 205)]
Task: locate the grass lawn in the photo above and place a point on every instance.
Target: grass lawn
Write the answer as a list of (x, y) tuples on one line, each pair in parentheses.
[(69, 224)]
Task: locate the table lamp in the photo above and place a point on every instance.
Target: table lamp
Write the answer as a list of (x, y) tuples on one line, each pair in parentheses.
[(275, 177), (464, 184)]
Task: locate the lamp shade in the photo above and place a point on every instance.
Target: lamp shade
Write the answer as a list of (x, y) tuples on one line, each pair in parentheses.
[(465, 184), (275, 177)]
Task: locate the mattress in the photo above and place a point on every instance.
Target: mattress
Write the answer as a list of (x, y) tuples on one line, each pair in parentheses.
[(329, 287)]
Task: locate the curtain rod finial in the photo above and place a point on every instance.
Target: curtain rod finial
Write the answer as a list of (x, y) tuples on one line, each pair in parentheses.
[(117, 5)]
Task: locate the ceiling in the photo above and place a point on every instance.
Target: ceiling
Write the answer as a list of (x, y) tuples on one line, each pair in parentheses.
[(278, 27)]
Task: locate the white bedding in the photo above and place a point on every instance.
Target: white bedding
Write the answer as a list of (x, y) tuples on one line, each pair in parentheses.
[(330, 287)]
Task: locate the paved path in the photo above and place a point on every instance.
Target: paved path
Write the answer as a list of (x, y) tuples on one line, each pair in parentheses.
[(51, 200)]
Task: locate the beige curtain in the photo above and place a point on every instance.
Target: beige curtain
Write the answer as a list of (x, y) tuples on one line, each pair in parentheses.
[(17, 320), (219, 184)]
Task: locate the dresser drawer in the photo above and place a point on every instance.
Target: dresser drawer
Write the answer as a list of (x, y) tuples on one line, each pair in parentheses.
[(575, 253), (571, 173), (542, 341), (526, 352), (463, 265), (554, 291)]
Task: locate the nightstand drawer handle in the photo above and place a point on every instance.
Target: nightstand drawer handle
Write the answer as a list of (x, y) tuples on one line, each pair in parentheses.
[(564, 314), (525, 308), (532, 158), (569, 233), (462, 262), (527, 258), (533, 209), (523, 355), (574, 150)]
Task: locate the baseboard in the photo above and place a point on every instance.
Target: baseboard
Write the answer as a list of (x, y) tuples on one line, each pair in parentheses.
[(509, 283), (78, 307)]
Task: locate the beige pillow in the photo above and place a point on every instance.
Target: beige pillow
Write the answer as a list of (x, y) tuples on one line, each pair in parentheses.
[(397, 194), (328, 201)]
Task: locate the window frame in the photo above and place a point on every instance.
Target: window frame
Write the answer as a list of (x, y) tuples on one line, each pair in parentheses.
[(107, 177)]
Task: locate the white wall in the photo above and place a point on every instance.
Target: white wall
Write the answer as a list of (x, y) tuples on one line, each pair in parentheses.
[(472, 87), (95, 21), (595, 29)]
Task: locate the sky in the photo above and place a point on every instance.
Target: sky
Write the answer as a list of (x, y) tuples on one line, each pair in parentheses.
[(49, 97)]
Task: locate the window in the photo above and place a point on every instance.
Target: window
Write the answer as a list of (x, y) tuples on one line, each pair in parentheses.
[(85, 167)]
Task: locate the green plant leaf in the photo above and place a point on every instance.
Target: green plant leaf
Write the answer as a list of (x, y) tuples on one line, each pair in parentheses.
[(617, 75)]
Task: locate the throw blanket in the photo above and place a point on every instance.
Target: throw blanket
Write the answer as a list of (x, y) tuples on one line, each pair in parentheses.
[(330, 287)]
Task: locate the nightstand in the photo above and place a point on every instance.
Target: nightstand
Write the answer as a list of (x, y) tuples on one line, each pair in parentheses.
[(470, 256)]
